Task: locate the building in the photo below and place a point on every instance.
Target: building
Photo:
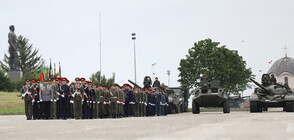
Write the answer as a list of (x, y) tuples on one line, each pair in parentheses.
[(283, 69)]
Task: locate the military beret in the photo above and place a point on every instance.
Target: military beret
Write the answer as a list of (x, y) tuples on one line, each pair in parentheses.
[(127, 85), (38, 81), (28, 80), (34, 80), (77, 79), (64, 79), (83, 79)]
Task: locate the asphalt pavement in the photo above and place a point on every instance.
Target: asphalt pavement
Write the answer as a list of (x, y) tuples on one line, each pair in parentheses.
[(274, 124)]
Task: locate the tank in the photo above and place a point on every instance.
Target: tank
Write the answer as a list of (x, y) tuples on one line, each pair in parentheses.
[(210, 94), (269, 94)]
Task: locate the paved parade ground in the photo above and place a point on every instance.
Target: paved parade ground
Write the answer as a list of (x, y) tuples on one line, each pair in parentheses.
[(207, 125)]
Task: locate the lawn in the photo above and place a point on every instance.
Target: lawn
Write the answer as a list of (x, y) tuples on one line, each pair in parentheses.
[(10, 104)]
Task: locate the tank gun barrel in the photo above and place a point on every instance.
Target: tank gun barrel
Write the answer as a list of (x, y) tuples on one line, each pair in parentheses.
[(259, 85), (134, 83)]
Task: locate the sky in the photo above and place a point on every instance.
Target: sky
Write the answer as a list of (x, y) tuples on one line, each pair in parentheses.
[(67, 31)]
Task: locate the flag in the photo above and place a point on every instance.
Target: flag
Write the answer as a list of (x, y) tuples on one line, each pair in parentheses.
[(42, 76), (59, 70), (111, 94), (153, 64), (55, 76), (50, 70)]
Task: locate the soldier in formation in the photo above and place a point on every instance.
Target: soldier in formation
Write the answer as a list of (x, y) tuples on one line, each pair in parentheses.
[(56, 99)]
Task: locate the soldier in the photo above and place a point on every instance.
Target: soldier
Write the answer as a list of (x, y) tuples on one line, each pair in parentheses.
[(126, 106), (147, 82), (273, 80), (85, 102), (137, 100), (35, 92), (77, 91), (121, 101), (64, 92), (156, 83), (92, 99), (157, 101), (53, 104), (57, 84), (113, 101), (100, 101), (162, 105), (151, 103), (106, 102), (46, 97), (166, 102), (28, 97)]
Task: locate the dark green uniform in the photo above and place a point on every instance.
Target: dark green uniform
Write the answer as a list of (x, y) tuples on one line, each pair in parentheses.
[(26, 92), (77, 89), (106, 103), (53, 104), (113, 103), (121, 95)]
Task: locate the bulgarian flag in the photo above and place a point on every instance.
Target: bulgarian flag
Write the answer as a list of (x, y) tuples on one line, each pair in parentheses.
[(111, 94), (42, 75)]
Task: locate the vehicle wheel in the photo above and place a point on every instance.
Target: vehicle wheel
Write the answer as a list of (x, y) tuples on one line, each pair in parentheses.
[(195, 108), (253, 107), (289, 106), (226, 107), (265, 109)]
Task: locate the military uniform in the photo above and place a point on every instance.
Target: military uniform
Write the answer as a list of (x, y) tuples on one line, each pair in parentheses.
[(106, 103), (121, 102), (64, 100), (137, 103), (113, 102), (36, 106), (100, 102), (85, 102), (46, 97), (77, 91), (53, 104), (28, 97), (92, 102)]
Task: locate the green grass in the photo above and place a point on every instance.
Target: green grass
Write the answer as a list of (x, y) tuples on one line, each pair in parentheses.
[(10, 104)]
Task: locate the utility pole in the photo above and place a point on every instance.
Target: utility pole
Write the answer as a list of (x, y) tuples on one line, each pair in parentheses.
[(134, 38), (168, 74)]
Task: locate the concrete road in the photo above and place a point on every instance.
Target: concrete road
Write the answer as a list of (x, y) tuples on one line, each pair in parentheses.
[(207, 125)]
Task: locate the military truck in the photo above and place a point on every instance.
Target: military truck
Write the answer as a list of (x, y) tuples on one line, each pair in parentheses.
[(270, 94), (210, 94)]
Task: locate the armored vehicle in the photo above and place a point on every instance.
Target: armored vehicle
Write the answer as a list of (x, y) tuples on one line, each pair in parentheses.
[(269, 94), (177, 99), (210, 94)]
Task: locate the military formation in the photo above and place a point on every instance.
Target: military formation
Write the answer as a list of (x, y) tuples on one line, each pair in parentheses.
[(57, 98)]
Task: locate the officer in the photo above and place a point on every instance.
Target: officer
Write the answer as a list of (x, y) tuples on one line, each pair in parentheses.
[(96, 108), (156, 83), (46, 97), (137, 100), (132, 100), (28, 97), (273, 80), (92, 100), (35, 92), (57, 94), (157, 101), (113, 101), (77, 91), (64, 92), (85, 106), (127, 102), (166, 102), (162, 105)]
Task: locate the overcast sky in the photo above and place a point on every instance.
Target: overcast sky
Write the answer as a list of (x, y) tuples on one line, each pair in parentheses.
[(68, 32)]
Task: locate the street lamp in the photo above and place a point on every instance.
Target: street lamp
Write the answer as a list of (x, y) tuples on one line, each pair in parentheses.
[(134, 38)]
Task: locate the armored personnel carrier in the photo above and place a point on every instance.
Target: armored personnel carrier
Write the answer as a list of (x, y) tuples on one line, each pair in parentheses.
[(210, 94), (270, 94)]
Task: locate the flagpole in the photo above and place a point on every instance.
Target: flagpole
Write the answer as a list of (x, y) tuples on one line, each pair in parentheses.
[(100, 47)]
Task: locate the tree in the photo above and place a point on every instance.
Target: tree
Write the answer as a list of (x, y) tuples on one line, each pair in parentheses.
[(28, 57), (99, 79), (215, 62), (5, 82)]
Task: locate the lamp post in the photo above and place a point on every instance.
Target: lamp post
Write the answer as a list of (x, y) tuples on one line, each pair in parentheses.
[(134, 38)]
